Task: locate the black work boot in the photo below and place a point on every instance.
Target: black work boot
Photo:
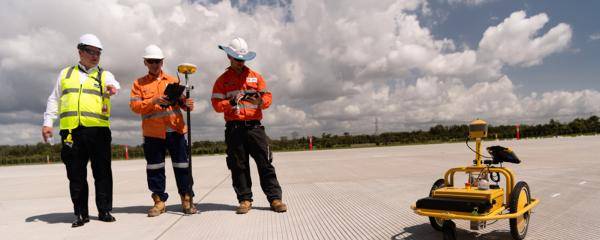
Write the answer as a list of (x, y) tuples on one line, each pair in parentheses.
[(80, 220), (106, 217)]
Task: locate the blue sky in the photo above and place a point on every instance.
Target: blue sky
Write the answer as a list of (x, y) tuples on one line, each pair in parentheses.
[(571, 70), (332, 66)]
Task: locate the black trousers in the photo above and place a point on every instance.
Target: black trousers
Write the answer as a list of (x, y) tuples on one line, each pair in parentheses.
[(244, 139), (155, 151), (93, 144)]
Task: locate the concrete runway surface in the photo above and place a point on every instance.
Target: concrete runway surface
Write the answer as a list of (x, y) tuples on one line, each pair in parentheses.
[(361, 193)]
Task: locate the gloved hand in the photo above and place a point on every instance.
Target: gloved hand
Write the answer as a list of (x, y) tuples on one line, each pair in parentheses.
[(254, 98), (235, 100), (160, 100)]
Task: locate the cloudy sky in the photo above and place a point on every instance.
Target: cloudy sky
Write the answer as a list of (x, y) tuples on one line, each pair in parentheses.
[(333, 66)]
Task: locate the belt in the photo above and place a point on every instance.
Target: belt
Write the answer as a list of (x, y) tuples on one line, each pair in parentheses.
[(81, 128), (245, 124)]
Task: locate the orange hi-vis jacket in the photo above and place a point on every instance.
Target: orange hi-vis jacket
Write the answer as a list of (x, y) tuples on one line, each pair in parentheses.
[(229, 84), (155, 119)]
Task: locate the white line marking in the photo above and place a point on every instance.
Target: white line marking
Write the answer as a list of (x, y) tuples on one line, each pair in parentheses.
[(556, 195), (582, 182)]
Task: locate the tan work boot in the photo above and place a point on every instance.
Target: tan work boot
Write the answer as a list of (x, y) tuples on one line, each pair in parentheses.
[(187, 204), (244, 207), (158, 208), (278, 206)]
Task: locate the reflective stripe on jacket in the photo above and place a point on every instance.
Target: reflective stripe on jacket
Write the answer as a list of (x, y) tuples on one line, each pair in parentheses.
[(155, 119), (86, 103), (229, 84)]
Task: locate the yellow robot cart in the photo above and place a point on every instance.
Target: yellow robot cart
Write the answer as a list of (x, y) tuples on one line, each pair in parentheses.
[(481, 199)]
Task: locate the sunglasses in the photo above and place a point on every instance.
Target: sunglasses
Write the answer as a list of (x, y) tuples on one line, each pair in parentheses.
[(91, 52), (153, 61)]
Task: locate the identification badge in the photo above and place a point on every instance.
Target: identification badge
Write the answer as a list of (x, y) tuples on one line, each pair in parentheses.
[(251, 80)]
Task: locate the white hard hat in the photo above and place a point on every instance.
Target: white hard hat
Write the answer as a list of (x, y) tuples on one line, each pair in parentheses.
[(91, 40), (238, 49), (153, 52)]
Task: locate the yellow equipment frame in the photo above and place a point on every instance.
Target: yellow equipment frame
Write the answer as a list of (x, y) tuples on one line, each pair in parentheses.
[(466, 216), (478, 130), (496, 214)]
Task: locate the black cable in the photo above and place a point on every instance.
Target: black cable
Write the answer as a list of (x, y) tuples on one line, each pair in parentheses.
[(480, 173), (495, 179), (178, 79), (492, 222), (481, 155)]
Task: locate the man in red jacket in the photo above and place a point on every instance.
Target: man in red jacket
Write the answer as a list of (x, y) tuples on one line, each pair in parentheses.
[(241, 94)]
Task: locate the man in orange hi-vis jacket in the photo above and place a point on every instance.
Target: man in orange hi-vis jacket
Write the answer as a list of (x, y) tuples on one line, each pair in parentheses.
[(163, 129), (241, 94)]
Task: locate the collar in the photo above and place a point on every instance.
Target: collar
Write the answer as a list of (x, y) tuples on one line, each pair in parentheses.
[(244, 69), (85, 70), (161, 76)]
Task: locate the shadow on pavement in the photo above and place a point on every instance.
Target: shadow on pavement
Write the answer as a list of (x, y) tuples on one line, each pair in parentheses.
[(133, 209), (52, 218), (67, 217), (209, 207), (425, 232), (173, 209), (176, 208)]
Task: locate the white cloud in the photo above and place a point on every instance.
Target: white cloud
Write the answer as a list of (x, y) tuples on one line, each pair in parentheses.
[(433, 100), (514, 41), (562, 103), (335, 67), (595, 36)]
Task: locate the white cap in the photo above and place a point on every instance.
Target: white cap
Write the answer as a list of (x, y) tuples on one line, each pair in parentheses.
[(153, 52), (91, 40), (238, 49)]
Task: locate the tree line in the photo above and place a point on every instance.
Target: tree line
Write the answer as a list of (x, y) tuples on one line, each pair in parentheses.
[(45, 153)]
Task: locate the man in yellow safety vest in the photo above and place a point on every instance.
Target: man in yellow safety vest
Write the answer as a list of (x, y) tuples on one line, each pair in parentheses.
[(81, 99)]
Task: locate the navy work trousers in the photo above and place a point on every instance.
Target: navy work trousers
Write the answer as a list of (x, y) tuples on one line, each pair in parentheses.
[(155, 151)]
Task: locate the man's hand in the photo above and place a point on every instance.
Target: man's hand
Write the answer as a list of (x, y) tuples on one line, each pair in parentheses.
[(46, 133), (189, 104), (111, 89), (162, 100), (255, 99)]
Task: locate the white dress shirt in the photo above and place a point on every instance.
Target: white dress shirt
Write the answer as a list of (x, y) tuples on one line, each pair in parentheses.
[(54, 99)]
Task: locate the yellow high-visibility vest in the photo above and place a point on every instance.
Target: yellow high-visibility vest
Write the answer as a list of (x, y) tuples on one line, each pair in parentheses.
[(86, 104)]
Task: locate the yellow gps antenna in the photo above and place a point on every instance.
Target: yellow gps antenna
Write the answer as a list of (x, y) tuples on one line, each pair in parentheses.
[(478, 129), (187, 69)]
